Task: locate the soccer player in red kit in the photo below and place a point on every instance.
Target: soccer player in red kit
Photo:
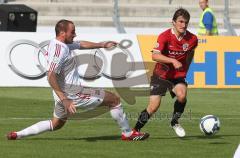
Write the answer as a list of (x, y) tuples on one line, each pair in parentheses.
[(173, 54)]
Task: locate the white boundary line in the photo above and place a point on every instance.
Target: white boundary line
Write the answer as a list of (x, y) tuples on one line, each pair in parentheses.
[(104, 118)]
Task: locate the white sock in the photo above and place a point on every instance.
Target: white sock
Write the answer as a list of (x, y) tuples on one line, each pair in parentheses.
[(237, 152), (35, 129), (120, 117)]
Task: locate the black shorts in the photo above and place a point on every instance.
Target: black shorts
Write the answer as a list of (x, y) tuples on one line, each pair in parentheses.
[(159, 86)]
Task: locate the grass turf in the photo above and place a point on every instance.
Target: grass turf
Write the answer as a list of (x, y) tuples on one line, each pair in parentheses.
[(100, 137)]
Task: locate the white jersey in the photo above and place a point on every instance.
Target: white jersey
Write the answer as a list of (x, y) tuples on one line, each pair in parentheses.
[(60, 60)]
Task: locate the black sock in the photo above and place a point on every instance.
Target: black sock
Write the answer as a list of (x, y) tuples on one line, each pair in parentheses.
[(178, 110), (142, 120)]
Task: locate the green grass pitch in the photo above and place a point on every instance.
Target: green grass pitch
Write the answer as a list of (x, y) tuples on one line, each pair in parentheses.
[(100, 137)]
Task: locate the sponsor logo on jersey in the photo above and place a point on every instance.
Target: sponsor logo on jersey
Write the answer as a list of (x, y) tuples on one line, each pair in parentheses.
[(185, 46), (176, 52)]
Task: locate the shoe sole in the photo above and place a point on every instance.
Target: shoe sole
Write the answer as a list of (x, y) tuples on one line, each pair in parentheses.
[(146, 135)]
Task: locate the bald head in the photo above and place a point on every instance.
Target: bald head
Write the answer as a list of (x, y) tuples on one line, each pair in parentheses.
[(203, 4)]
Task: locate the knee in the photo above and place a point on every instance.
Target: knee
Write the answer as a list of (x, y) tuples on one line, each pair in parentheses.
[(114, 101), (182, 98), (57, 124)]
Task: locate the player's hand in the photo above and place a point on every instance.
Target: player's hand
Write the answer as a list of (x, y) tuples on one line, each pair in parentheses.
[(109, 44), (177, 65), (69, 105)]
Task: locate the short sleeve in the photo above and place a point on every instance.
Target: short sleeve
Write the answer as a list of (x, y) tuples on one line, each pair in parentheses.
[(195, 42), (161, 43), (208, 20), (58, 56), (74, 45)]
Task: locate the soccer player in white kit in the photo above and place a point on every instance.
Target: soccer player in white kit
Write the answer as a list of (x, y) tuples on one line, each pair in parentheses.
[(68, 93)]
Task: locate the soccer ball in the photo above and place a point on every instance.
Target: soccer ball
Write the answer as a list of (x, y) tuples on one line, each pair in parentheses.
[(209, 125)]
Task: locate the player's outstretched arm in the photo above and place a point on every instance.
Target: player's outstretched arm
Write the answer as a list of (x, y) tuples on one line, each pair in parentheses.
[(92, 45)]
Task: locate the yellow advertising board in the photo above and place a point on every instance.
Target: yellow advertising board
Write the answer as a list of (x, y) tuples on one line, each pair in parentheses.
[(216, 63)]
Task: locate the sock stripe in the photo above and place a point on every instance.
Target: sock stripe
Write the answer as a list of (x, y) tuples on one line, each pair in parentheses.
[(51, 126), (116, 107)]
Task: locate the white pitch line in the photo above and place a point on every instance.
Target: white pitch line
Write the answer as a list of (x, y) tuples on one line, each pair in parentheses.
[(102, 118)]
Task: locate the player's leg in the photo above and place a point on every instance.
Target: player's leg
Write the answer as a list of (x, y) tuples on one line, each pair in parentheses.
[(92, 98), (117, 113), (158, 89), (237, 152), (59, 119), (154, 104), (180, 103), (37, 128), (179, 106), (58, 123)]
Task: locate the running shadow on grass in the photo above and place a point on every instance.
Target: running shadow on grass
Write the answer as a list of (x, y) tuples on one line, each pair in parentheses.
[(117, 137), (220, 136), (198, 137), (89, 139)]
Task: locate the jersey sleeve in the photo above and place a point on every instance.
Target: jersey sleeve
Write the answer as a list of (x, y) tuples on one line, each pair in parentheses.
[(208, 20), (161, 43), (195, 43), (74, 45), (56, 59)]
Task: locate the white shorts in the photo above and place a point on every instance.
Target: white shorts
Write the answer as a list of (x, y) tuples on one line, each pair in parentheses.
[(87, 99)]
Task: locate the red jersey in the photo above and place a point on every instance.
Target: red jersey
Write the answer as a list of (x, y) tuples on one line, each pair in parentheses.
[(170, 46)]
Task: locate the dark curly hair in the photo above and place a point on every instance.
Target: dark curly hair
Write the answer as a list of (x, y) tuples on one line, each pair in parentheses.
[(181, 12)]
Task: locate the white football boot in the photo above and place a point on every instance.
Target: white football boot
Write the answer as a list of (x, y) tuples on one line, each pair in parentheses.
[(179, 130)]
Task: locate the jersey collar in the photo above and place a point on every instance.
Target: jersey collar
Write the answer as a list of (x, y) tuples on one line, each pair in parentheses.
[(178, 38)]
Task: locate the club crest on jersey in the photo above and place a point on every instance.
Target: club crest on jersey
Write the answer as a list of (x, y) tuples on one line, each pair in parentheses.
[(156, 45), (185, 46)]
